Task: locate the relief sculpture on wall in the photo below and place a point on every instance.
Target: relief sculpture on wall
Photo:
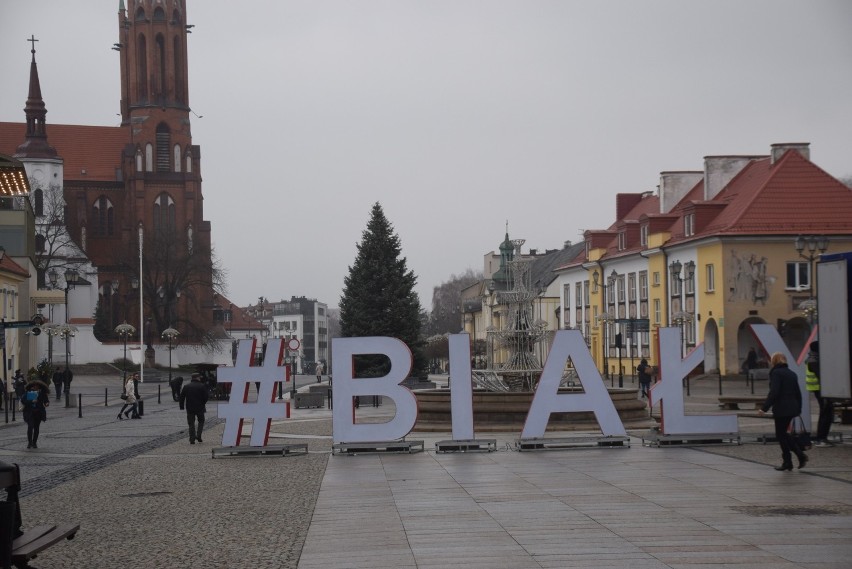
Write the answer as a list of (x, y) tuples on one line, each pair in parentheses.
[(748, 279)]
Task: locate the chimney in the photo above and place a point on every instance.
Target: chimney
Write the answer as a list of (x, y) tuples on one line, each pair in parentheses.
[(779, 149), (674, 186), (719, 170)]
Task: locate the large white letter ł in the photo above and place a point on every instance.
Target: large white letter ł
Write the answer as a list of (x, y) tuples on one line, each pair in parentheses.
[(346, 387), (669, 391), (570, 343)]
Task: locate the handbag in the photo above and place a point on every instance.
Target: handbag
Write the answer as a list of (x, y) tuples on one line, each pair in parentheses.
[(800, 433), (123, 396)]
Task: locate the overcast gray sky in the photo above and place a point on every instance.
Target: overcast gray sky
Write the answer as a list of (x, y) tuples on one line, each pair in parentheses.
[(455, 115)]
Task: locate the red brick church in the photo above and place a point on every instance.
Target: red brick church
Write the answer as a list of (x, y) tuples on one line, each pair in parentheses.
[(142, 178)]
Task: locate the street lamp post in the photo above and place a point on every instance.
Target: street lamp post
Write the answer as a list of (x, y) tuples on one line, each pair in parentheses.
[(812, 243), (66, 331), (124, 331), (682, 317), (170, 334), (605, 317)]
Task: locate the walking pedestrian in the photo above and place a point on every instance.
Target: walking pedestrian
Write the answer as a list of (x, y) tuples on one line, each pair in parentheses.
[(320, 369), (19, 383), (57, 383), (644, 377), (130, 403), (67, 376), (193, 398), (785, 400), (35, 400), (826, 406)]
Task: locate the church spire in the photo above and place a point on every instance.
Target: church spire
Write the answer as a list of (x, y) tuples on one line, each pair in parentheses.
[(35, 145)]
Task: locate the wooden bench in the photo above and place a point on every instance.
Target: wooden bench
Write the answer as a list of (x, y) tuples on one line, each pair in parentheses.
[(25, 545), (732, 401)]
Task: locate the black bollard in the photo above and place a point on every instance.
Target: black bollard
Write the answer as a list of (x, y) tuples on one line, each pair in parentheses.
[(67, 399), (80, 405), (158, 395), (330, 404), (106, 397), (720, 383)]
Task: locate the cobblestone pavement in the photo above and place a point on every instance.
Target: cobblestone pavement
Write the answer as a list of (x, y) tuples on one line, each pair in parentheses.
[(145, 497)]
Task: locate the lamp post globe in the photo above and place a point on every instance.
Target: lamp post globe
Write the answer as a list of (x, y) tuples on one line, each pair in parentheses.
[(170, 334), (124, 331)]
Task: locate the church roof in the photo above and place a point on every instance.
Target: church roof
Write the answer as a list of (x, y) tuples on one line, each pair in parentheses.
[(89, 152)]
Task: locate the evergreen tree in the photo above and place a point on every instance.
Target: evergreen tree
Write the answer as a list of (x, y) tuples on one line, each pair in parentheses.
[(379, 298)]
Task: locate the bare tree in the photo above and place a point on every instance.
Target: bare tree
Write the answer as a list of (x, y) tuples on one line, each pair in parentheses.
[(55, 250), (446, 302)]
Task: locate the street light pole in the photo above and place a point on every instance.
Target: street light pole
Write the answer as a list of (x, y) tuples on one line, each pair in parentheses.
[(170, 334), (124, 331), (813, 243), (66, 331), (682, 316)]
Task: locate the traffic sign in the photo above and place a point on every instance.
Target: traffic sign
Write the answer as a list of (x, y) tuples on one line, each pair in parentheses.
[(293, 344)]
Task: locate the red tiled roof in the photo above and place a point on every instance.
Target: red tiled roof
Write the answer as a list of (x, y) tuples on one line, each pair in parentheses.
[(93, 149), (10, 266)]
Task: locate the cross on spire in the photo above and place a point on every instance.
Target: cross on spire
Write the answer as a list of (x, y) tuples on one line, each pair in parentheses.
[(32, 40)]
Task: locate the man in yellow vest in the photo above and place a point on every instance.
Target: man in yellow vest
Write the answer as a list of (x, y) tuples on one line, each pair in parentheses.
[(826, 407)]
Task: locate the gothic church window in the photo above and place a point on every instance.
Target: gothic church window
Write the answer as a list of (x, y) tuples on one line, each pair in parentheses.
[(160, 68), (149, 157), (177, 157), (163, 147), (103, 217), (164, 213), (38, 197), (140, 14), (141, 68), (159, 14), (40, 243)]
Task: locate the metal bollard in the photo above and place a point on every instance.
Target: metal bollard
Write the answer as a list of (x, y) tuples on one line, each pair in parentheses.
[(80, 405), (330, 403), (720, 383), (67, 399), (158, 395), (106, 397)]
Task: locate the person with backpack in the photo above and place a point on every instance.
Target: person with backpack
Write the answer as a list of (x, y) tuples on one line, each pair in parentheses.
[(644, 371), (35, 400)]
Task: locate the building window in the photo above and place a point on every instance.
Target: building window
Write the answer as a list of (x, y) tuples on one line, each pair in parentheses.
[(689, 224), (798, 275), (164, 213), (657, 314), (620, 288), (643, 285), (656, 278), (163, 147), (38, 198), (177, 157), (103, 217), (690, 284), (631, 287), (643, 235), (676, 286), (621, 241), (149, 157), (711, 278), (585, 293), (40, 243)]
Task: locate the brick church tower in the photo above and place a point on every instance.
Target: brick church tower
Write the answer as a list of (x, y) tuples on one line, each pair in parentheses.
[(161, 169), (142, 178)]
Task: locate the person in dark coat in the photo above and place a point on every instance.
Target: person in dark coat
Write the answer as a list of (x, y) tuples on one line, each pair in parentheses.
[(644, 371), (35, 400), (57, 384), (19, 383), (67, 376), (785, 400), (193, 398)]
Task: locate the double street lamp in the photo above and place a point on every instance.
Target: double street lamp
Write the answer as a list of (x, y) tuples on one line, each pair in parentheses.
[(170, 334), (65, 331), (124, 331), (682, 317), (811, 243)]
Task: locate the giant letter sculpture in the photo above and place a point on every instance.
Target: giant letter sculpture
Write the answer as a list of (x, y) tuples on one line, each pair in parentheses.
[(570, 343), (461, 387), (669, 391), (771, 342), (346, 387)]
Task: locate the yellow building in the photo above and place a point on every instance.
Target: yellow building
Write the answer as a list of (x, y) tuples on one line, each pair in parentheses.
[(711, 251)]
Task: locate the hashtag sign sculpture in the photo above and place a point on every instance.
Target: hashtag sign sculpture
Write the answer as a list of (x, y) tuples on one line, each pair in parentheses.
[(241, 376)]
